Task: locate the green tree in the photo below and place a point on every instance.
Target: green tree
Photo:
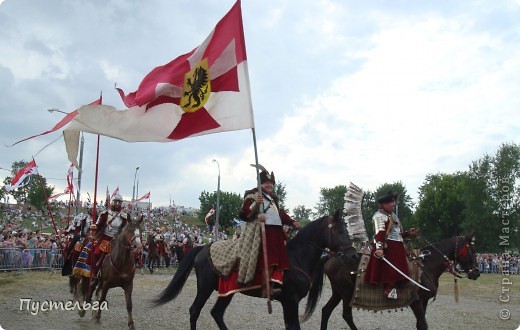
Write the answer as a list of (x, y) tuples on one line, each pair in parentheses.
[(441, 209), (302, 214), (331, 199), (230, 204), (279, 190), (492, 199), (35, 196)]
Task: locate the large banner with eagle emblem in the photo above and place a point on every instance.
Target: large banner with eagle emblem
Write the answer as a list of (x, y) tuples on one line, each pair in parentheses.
[(202, 92)]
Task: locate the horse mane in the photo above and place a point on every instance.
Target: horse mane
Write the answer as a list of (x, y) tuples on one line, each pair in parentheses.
[(308, 232)]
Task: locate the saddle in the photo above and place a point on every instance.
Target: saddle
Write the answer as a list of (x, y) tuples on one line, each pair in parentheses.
[(370, 296)]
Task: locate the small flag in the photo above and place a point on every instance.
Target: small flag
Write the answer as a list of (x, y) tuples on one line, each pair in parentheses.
[(210, 213), (26, 171)]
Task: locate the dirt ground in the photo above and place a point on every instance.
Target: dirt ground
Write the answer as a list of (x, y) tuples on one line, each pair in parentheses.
[(479, 306)]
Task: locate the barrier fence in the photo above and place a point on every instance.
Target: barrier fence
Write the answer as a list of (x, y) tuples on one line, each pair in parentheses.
[(22, 259), (16, 259)]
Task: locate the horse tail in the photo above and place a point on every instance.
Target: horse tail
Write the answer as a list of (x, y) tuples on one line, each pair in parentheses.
[(315, 290), (179, 279)]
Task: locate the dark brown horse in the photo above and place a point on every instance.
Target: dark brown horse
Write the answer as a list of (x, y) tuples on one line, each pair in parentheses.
[(459, 250), (117, 270), (304, 252), (153, 254)]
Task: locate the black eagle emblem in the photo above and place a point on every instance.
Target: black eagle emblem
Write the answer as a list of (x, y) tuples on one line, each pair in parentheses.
[(197, 87)]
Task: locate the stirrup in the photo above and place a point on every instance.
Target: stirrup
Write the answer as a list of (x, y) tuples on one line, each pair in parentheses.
[(392, 294)]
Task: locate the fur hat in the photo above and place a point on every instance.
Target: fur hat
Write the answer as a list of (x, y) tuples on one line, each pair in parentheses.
[(265, 176), (390, 196)]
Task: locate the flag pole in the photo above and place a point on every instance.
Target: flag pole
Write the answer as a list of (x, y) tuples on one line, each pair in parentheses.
[(94, 209), (262, 228), (58, 238)]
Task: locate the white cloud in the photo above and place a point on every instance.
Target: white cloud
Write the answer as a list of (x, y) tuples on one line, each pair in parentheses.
[(342, 91)]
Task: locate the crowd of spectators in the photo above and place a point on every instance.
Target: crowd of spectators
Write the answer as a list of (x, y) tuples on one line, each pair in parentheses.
[(28, 239), (492, 263)]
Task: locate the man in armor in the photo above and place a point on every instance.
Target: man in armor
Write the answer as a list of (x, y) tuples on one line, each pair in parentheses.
[(274, 218), (389, 243), (110, 223), (162, 247), (78, 233)]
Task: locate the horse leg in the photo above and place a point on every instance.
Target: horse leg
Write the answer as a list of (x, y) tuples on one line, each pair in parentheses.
[(128, 296), (219, 309), (347, 314), (82, 294), (103, 287), (328, 308), (419, 310), (290, 313), (195, 309), (149, 264)]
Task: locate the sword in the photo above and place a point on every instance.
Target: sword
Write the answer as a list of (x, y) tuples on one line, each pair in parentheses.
[(400, 272)]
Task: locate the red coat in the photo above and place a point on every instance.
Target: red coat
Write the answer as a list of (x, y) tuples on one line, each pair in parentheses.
[(275, 235), (378, 271)]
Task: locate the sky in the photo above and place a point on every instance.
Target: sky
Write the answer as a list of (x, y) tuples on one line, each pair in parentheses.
[(369, 92)]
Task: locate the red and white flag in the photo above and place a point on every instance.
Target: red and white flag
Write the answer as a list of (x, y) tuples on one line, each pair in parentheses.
[(145, 196), (67, 119), (70, 183), (116, 191), (70, 179), (29, 169), (204, 91), (210, 213)]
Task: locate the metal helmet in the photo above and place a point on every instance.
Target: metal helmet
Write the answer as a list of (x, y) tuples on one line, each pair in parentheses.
[(117, 197)]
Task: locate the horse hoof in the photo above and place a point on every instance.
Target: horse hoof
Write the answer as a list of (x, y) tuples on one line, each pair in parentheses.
[(81, 312)]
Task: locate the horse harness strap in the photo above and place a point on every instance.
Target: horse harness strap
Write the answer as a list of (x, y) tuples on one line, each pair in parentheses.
[(448, 264), (309, 278)]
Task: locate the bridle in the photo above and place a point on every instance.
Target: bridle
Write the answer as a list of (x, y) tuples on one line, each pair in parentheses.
[(341, 253), (330, 225), (451, 265), (128, 247)]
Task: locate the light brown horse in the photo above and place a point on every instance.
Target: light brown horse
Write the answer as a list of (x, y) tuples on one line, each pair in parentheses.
[(118, 269)]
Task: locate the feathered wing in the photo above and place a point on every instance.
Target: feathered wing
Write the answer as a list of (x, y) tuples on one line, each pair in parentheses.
[(353, 216)]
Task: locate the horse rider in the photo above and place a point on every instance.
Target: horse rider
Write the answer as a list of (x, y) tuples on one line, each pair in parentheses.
[(389, 244), (162, 247), (78, 233), (274, 218), (110, 223)]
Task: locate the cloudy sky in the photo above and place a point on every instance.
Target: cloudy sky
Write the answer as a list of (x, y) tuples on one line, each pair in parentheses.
[(362, 91)]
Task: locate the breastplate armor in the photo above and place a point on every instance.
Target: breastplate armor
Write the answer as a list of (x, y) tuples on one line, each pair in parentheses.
[(114, 223), (395, 231), (271, 213)]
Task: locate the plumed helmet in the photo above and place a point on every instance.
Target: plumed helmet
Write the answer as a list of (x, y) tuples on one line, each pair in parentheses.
[(266, 176), (117, 197), (390, 196)]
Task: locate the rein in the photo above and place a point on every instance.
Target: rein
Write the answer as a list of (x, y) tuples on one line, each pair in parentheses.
[(330, 225), (449, 265)]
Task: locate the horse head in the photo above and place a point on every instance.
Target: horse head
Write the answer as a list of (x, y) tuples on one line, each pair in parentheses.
[(127, 236), (465, 255), (337, 239)]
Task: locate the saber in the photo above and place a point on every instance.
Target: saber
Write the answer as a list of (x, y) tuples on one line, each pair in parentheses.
[(400, 272)]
